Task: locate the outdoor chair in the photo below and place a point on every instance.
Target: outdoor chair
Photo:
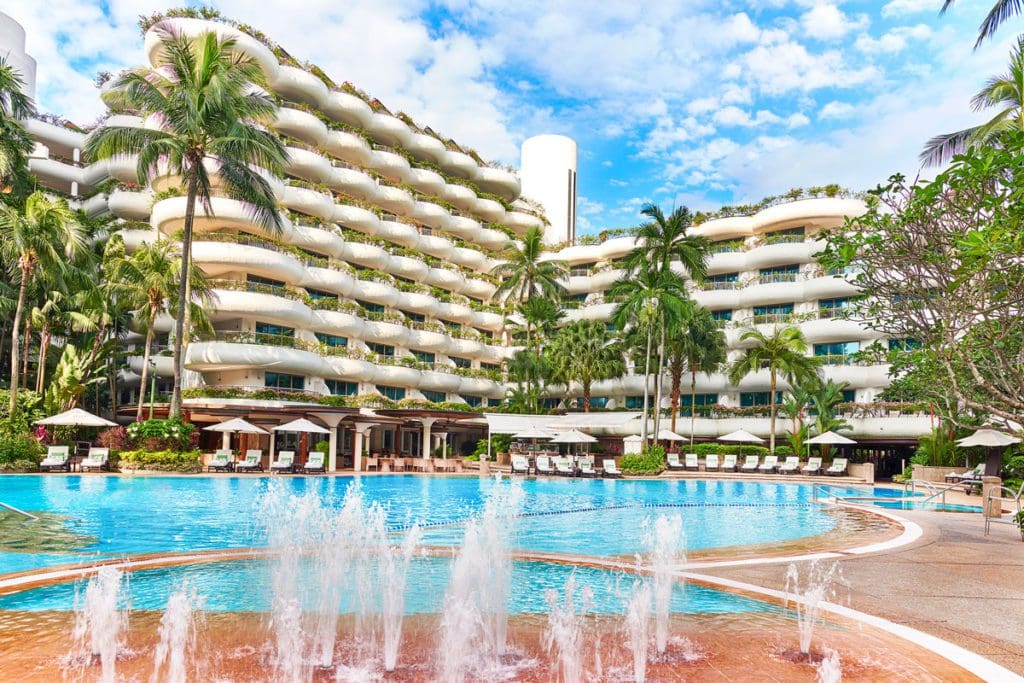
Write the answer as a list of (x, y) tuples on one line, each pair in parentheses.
[(542, 465), (838, 468), (813, 466), (57, 458), (285, 462), (98, 460), (564, 467), (751, 463), (711, 462), (672, 461), (611, 470), (253, 461), (221, 461), (587, 468), (791, 466), (771, 463), (315, 463), (692, 463), (728, 462)]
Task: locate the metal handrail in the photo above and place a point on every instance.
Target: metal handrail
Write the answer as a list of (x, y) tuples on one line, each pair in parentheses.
[(931, 486), (20, 512)]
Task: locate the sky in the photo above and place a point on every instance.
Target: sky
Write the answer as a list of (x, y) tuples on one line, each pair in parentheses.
[(695, 102)]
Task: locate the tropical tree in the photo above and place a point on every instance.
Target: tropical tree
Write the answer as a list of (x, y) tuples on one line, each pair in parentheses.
[(698, 345), (15, 142), (530, 372), (1004, 92), (206, 99), (1000, 12), (523, 273), (540, 319), (585, 351), (794, 407), (648, 299), (41, 236), (826, 397), (782, 353)]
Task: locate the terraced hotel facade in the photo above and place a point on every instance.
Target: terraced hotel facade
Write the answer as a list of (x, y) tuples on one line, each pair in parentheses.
[(379, 282)]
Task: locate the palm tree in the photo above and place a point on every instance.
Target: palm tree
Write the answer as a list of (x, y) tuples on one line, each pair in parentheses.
[(540, 315), (41, 236), (781, 352), (647, 299), (697, 346), (1005, 92), (793, 406), (583, 351), (523, 273), (205, 97), (15, 142), (530, 372), (826, 396), (1000, 12)]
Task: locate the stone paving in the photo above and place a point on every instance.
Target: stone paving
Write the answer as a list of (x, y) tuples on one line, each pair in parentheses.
[(954, 583)]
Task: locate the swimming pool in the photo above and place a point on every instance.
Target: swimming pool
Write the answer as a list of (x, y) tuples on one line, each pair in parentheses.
[(118, 516)]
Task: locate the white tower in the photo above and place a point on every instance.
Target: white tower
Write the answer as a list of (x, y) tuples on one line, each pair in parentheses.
[(548, 175), (12, 49)]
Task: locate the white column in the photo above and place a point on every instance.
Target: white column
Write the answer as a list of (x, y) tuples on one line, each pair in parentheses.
[(273, 444), (332, 456), (443, 438), (225, 441), (427, 424), (357, 445)]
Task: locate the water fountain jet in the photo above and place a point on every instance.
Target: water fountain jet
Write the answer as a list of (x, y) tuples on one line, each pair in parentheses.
[(99, 622)]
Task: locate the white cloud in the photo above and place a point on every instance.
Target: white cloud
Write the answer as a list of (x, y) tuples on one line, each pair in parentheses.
[(892, 41), (836, 110), (797, 120), (734, 116), (827, 22), (787, 66), (899, 8)]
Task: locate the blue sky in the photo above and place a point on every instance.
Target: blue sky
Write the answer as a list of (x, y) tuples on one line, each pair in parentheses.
[(701, 102)]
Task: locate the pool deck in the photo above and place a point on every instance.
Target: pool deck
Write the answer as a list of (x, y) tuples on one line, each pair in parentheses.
[(954, 583)]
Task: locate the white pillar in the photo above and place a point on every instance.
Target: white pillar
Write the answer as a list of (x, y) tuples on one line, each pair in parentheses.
[(443, 438), (427, 424), (225, 441), (332, 456), (273, 444), (357, 445)]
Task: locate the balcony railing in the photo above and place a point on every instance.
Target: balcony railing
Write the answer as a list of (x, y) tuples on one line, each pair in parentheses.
[(259, 288), (775, 278), (715, 285)]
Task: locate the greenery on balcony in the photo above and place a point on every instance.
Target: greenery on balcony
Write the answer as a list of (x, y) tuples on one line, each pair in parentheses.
[(793, 195)]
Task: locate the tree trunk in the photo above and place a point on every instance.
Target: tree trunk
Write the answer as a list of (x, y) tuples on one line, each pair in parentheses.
[(44, 344), (677, 381), (24, 351), (771, 404), (586, 397), (693, 399), (12, 402), (183, 292), (658, 382), (145, 361), (647, 374)]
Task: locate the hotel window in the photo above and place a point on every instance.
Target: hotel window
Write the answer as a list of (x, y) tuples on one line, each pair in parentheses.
[(849, 395), (273, 331), (904, 344), (490, 366), (424, 356), (316, 294), (281, 380), (415, 317), (451, 325), (473, 401), (461, 362), (700, 400), (394, 393), (338, 387), (370, 306), (493, 402), (725, 314), (549, 403), (750, 399), (836, 353), (331, 340), (634, 402), (833, 308), (595, 402), (381, 349), (791, 236), (776, 313), (434, 396), (722, 281), (779, 274), (257, 280)]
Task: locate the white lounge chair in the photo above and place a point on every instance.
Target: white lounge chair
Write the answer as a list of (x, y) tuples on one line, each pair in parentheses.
[(771, 463), (692, 463), (98, 459), (587, 468), (813, 466), (611, 470), (315, 463), (221, 461), (728, 462), (711, 462), (838, 468), (253, 461), (672, 460), (564, 467), (542, 465), (791, 466), (56, 459), (520, 464), (751, 463), (285, 462)]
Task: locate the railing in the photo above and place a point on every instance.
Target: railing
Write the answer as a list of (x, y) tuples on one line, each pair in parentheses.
[(774, 278), (716, 285), (258, 288), (838, 359), (18, 511), (783, 239)]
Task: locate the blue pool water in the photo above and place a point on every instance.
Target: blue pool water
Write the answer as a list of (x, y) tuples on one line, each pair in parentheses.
[(124, 515)]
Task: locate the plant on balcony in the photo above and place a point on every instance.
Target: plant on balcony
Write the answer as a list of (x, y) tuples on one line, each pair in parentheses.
[(375, 276)]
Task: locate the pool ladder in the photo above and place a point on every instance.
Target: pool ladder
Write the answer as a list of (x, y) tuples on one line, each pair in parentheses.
[(17, 511)]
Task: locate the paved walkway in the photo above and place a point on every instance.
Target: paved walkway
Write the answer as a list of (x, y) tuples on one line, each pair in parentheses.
[(954, 583)]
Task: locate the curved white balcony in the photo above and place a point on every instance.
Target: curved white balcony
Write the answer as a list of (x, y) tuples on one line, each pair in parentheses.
[(604, 279), (824, 210), (231, 304), (307, 165), (395, 199), (463, 227), (348, 109), (835, 330), (595, 312), (727, 262), (478, 289), (376, 292), (486, 320), (357, 218), (168, 216), (220, 356), (771, 293), (423, 340), (829, 287), (416, 302), (389, 130), (310, 202), (64, 139), (523, 221), (495, 354), (130, 205), (337, 322), (499, 181), (426, 181), (406, 267), (489, 210), (491, 239), (445, 279), (219, 258), (435, 246), (717, 299), (328, 279), (858, 376), (244, 43), (456, 312), (780, 254), (347, 146), (164, 364), (459, 195), (398, 233), (297, 84), (314, 239), (350, 369), (459, 164), (134, 238), (397, 375), (426, 147), (351, 182), (431, 214), (299, 124), (56, 172), (729, 228), (385, 332), (440, 381), (474, 386), (469, 258), (389, 163)]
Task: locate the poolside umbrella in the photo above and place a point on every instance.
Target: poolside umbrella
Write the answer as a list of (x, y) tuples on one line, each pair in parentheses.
[(573, 436), (76, 417), (303, 426), (533, 433), (235, 425), (989, 439), (828, 438), (741, 436), (669, 435)]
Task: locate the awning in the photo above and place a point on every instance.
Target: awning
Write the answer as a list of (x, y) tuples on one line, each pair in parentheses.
[(612, 424), (989, 438), (76, 417)]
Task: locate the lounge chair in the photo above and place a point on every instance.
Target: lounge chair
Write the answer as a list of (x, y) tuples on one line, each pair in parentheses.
[(838, 468), (56, 459), (587, 468), (770, 464), (221, 461), (692, 463), (542, 465), (711, 462), (813, 466), (972, 478), (728, 462), (520, 464), (791, 466), (285, 462), (98, 459), (611, 470), (672, 461), (253, 461), (564, 467), (751, 463), (315, 463)]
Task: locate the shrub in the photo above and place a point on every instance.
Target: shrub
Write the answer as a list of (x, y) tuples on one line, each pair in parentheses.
[(500, 443), (703, 449), (783, 451), (651, 461), (322, 446), (20, 465), (161, 461), (157, 435), (18, 446), (114, 438)]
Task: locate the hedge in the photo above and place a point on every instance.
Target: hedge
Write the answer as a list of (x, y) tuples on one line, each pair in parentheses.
[(651, 461), (161, 461), (704, 449)]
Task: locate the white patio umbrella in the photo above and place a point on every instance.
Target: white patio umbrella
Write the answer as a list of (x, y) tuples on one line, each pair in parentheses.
[(533, 434), (741, 436), (830, 438), (669, 435), (234, 425), (76, 417), (573, 436), (302, 425), (988, 439)]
